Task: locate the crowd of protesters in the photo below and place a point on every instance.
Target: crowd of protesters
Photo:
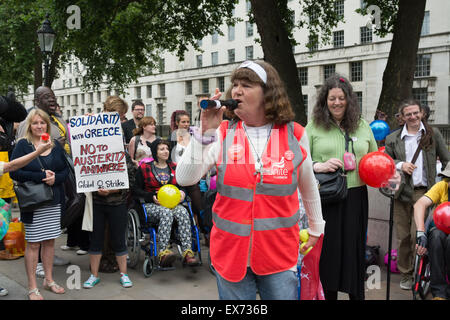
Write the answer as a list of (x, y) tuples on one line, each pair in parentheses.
[(254, 242)]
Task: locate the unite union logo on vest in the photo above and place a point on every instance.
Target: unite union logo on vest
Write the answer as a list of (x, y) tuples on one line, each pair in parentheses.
[(278, 169)]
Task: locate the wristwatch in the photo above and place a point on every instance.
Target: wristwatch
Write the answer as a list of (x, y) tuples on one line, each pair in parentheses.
[(203, 139)]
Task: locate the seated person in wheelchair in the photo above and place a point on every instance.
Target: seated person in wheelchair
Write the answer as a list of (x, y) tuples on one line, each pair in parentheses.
[(151, 176), (438, 241)]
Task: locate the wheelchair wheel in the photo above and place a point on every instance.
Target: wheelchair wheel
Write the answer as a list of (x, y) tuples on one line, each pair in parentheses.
[(148, 267), (421, 284), (133, 235)]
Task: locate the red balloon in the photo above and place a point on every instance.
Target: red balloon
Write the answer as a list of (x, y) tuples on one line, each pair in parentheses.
[(441, 217), (382, 149), (376, 168)]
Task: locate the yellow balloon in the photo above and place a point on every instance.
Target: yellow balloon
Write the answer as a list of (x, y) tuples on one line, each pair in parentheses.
[(304, 235), (169, 196), (307, 251)]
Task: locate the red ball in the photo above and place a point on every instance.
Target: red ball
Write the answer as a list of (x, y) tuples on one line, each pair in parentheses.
[(382, 149), (376, 168), (45, 136), (441, 217)]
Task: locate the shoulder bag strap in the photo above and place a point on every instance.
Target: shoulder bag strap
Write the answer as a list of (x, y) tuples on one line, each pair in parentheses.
[(416, 154), (38, 158)]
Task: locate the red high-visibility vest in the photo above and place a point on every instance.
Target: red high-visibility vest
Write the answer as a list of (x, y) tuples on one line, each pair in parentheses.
[(256, 211)]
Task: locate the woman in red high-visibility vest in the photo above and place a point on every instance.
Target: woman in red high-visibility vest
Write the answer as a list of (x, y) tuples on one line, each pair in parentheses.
[(262, 159)]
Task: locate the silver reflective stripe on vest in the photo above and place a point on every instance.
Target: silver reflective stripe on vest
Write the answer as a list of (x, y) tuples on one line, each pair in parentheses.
[(276, 223), (238, 229), (266, 224)]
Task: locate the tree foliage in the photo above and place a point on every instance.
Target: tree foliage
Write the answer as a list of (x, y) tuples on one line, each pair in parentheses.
[(118, 40)]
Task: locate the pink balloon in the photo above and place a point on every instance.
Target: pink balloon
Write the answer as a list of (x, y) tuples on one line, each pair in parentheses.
[(145, 160), (212, 182)]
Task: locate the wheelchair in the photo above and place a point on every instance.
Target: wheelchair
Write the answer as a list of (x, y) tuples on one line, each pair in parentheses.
[(141, 236), (421, 285), (422, 270)]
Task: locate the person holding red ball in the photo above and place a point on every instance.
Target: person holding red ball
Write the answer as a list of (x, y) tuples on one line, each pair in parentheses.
[(436, 240), (337, 119)]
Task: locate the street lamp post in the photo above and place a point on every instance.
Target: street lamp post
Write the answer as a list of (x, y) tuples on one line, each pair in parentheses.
[(46, 37)]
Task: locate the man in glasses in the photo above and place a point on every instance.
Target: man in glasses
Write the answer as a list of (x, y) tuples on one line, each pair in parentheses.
[(138, 110), (414, 148)]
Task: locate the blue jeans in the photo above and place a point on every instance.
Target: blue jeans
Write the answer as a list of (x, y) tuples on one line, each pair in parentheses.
[(277, 286)]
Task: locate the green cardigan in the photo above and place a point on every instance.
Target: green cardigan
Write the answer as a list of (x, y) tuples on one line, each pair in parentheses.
[(326, 144)]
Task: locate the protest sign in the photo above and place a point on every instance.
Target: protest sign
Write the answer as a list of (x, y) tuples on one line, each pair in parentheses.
[(98, 153)]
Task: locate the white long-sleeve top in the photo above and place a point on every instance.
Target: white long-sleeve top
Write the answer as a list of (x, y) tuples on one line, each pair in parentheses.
[(198, 159)]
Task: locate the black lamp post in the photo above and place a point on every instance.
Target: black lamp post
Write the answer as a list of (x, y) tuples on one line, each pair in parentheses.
[(46, 37)]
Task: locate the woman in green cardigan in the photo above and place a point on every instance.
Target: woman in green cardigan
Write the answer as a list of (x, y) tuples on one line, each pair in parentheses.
[(342, 262)]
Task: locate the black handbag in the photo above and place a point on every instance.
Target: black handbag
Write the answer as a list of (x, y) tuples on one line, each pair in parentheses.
[(74, 206), (332, 186), (33, 195)]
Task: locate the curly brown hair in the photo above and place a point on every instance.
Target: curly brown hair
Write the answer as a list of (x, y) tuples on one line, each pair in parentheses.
[(322, 116), (278, 109)]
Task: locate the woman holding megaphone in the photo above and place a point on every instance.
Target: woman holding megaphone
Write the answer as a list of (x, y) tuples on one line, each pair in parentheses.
[(150, 178)]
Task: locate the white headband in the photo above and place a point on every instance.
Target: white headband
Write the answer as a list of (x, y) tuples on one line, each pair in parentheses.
[(256, 68)]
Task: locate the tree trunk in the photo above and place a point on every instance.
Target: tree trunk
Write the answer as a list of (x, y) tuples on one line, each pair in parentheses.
[(278, 52), (399, 73)]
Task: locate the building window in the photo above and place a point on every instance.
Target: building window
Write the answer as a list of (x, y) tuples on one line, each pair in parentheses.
[(149, 91), (199, 59), (359, 98), (231, 55), (303, 76), (249, 29), (313, 43), (249, 53), (365, 35), (162, 65), (138, 92), (426, 24), (339, 8), (356, 71), (199, 42), (160, 115), (99, 96), (363, 4), (305, 102), (423, 65), (421, 95), (338, 39), (188, 87), (91, 97), (82, 99), (248, 5), (329, 70), (230, 33), (215, 37), (205, 85), (221, 84), (214, 58), (162, 90), (188, 108)]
